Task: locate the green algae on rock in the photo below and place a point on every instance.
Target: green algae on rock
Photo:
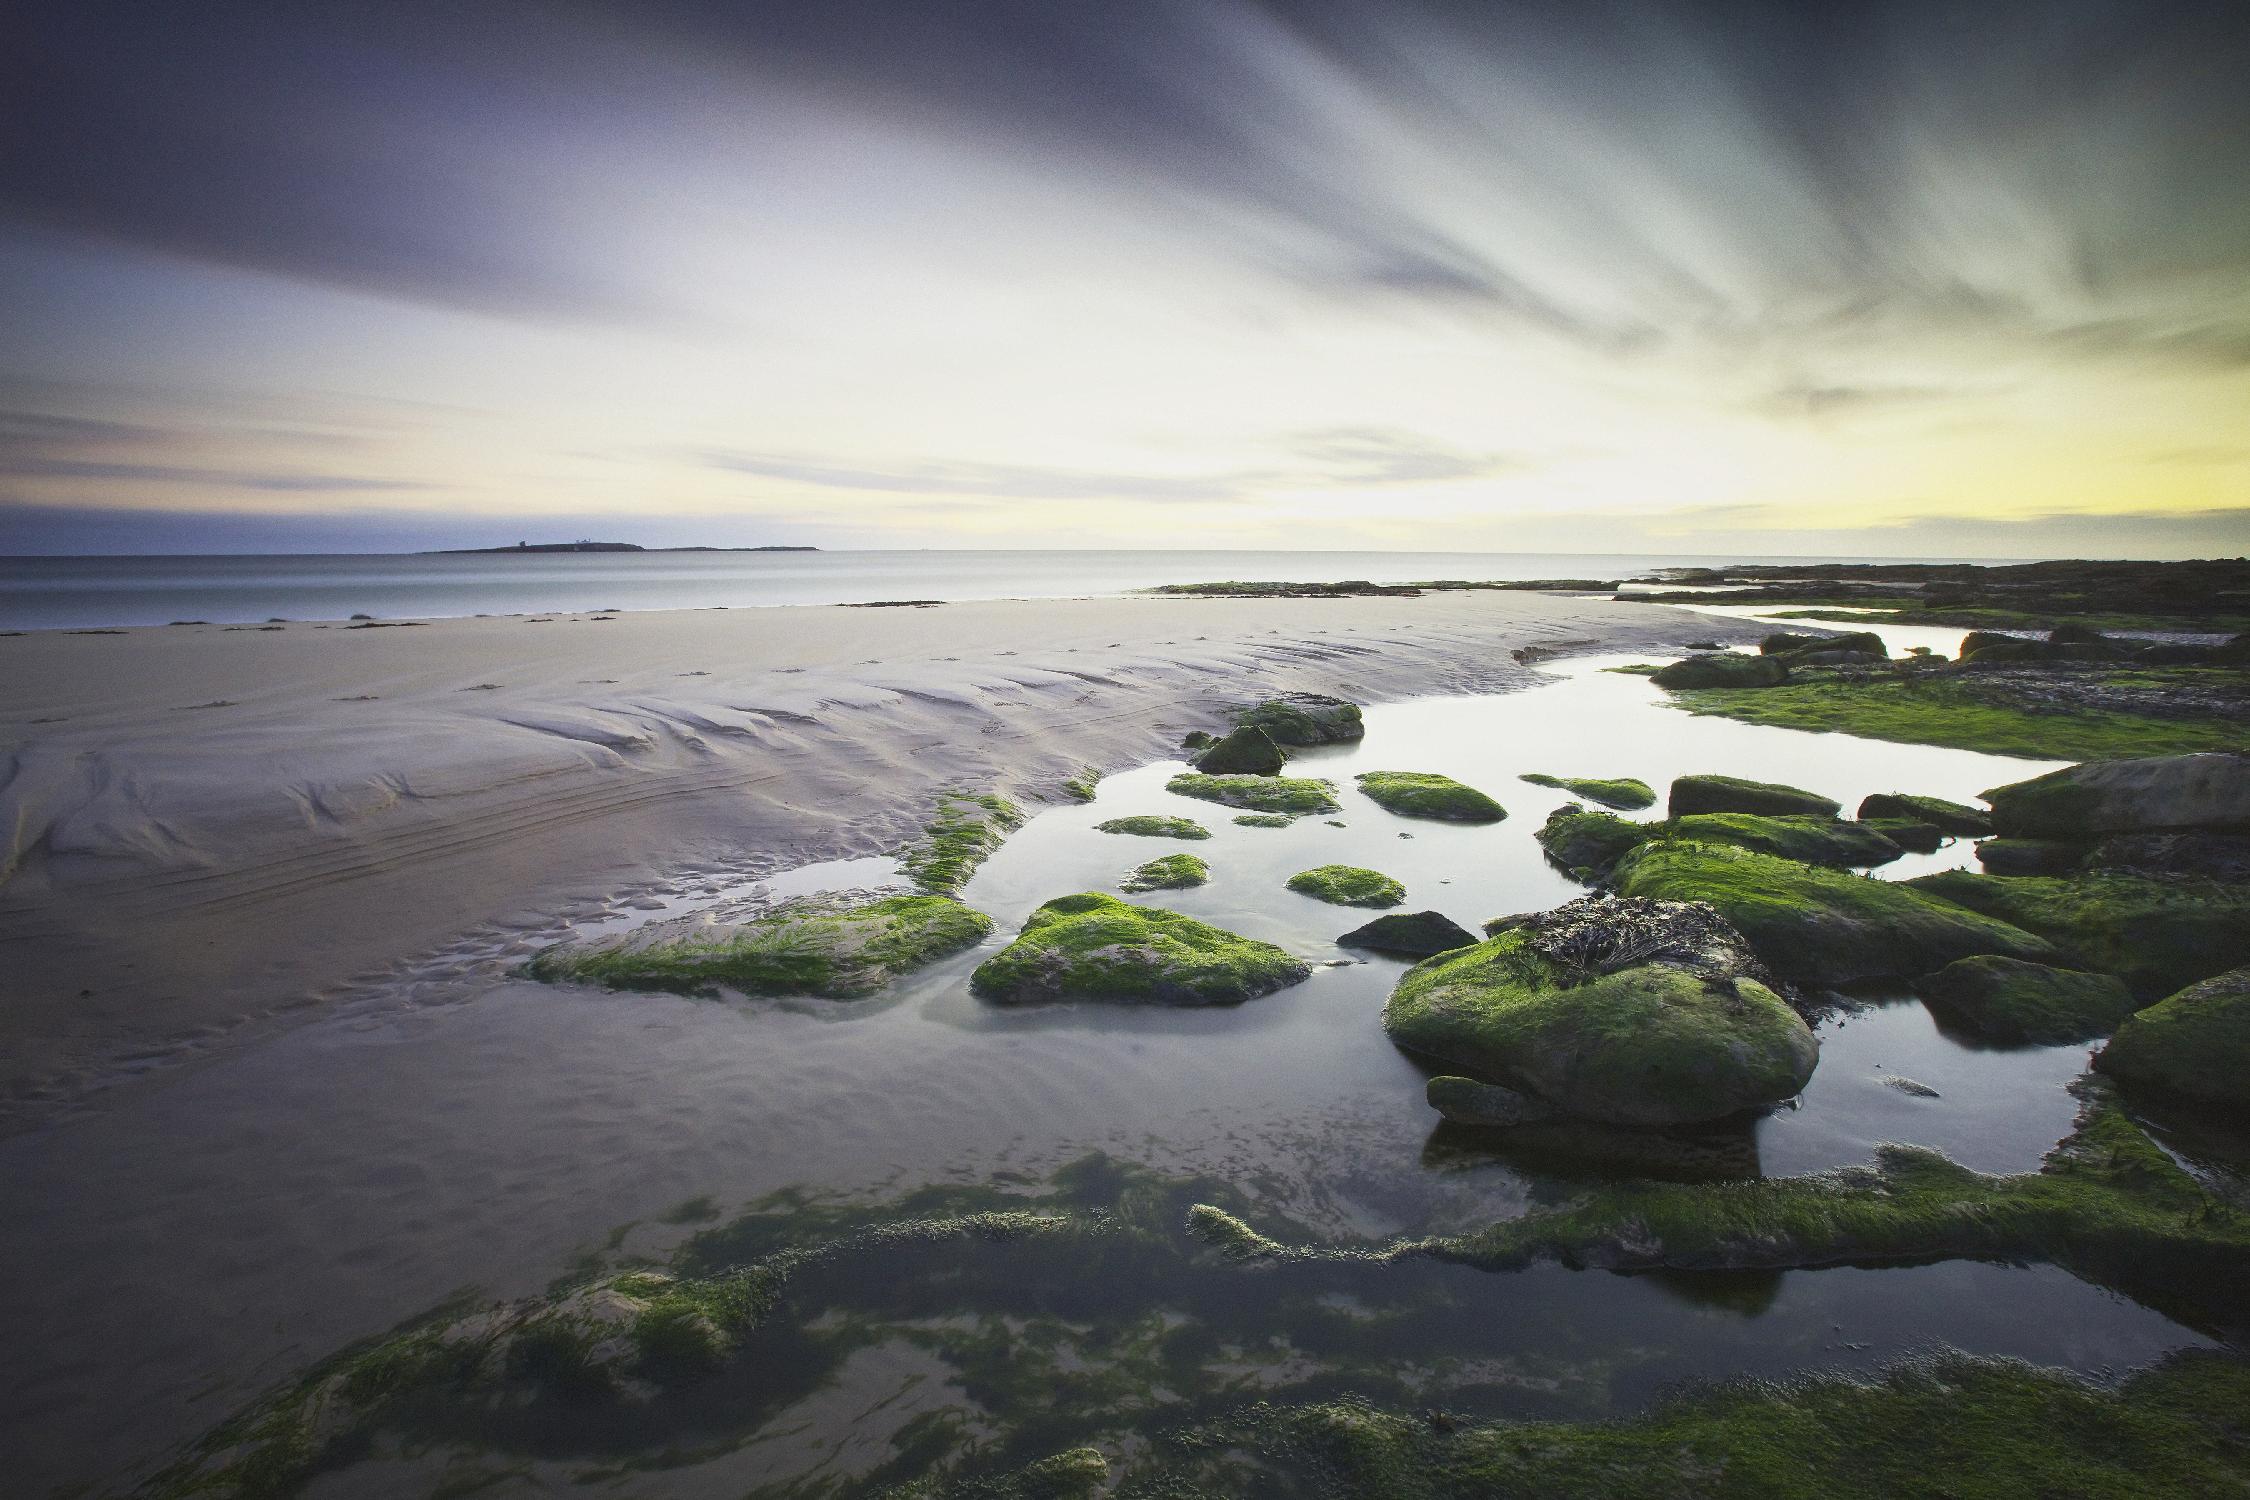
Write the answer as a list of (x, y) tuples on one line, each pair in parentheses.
[(1722, 669), (1629, 1012), (1080, 788), (1271, 794), (1817, 926), (2031, 856), (2009, 1001), (2157, 935), (1305, 719), (1588, 844), (1417, 934), (1172, 872), (965, 832), (1914, 837), (1714, 793), (1263, 820), (2148, 794), (1347, 885), (1154, 826), (1624, 792), (1096, 947), (2192, 1047), (1426, 794), (1952, 817), (1248, 751), (1815, 841), (834, 947)]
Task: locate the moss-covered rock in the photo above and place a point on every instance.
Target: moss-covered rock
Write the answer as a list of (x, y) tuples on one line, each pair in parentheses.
[(2031, 856), (1722, 669), (1096, 947), (1624, 792), (1465, 1101), (1410, 935), (1714, 793), (1638, 1013), (1953, 817), (1425, 794), (1154, 826), (1263, 820), (1305, 719), (1913, 837), (1851, 642), (1081, 788), (2156, 935), (1173, 872), (1587, 844), (962, 836), (1347, 885), (1817, 926), (1248, 751), (2009, 1001), (2192, 1047), (2210, 856), (1782, 642), (1272, 794), (824, 946), (2149, 794), (1815, 841)]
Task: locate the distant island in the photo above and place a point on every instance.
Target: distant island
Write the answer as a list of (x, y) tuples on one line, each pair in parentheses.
[(529, 547)]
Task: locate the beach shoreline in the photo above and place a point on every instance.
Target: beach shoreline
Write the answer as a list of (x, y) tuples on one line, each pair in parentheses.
[(211, 831)]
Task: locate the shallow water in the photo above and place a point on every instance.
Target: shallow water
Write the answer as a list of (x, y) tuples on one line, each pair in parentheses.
[(166, 1259)]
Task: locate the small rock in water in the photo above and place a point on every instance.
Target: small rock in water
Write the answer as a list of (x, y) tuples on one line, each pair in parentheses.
[(1907, 1085)]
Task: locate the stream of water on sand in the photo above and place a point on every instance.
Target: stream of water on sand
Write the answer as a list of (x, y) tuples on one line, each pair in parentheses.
[(168, 1258)]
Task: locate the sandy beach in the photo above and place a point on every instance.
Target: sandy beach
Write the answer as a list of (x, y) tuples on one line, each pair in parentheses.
[(210, 826)]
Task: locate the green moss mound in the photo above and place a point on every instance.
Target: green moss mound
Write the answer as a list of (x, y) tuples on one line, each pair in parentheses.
[(1948, 1428), (1635, 1013), (1263, 820), (2146, 794), (2009, 1001), (1714, 793), (1817, 926), (2192, 1047), (1080, 788), (1425, 794), (2157, 935), (963, 835), (1248, 751), (1722, 669), (1173, 872), (1305, 719), (839, 950), (1588, 844), (1097, 947), (1270, 794), (1347, 885), (1815, 841), (1152, 826), (1624, 792), (1952, 817)]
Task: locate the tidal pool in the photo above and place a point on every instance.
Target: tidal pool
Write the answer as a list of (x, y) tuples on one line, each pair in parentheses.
[(170, 1257)]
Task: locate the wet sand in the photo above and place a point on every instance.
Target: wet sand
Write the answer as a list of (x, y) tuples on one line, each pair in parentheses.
[(210, 827)]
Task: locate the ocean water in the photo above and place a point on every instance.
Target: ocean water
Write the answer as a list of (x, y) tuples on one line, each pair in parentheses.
[(65, 593)]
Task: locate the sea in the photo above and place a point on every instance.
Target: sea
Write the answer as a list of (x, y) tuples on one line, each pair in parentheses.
[(66, 593)]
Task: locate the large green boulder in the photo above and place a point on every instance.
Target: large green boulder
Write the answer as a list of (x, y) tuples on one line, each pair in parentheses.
[(2157, 935), (1586, 844), (1627, 792), (1816, 841), (1416, 934), (1713, 793), (1953, 817), (1249, 751), (2151, 794), (1425, 794), (1304, 719), (1096, 947), (1630, 1012), (1817, 926), (1722, 669), (1271, 794), (2192, 1047), (2009, 1001), (1347, 885), (837, 948)]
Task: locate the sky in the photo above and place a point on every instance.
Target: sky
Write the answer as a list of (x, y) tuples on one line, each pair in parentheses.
[(1910, 279)]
